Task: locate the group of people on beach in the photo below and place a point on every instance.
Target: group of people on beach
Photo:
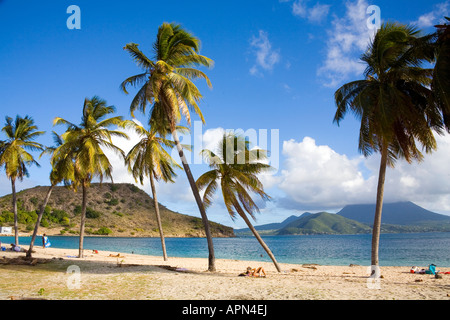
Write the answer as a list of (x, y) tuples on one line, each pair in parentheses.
[(45, 244)]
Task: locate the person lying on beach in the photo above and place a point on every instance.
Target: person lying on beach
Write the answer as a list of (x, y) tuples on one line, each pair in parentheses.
[(256, 272), (116, 256)]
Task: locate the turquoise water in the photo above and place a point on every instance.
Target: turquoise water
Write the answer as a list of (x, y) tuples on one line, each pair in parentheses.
[(409, 249)]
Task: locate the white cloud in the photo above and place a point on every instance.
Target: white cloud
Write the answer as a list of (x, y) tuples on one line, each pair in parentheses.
[(316, 177), (266, 57), (347, 40), (315, 14), (318, 13), (435, 16)]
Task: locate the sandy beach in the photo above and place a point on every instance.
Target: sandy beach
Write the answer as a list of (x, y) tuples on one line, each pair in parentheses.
[(58, 274)]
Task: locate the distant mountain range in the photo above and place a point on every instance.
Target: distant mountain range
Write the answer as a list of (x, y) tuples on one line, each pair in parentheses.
[(355, 219)]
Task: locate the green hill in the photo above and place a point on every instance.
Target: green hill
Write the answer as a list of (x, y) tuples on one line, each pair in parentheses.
[(324, 223), (113, 209)]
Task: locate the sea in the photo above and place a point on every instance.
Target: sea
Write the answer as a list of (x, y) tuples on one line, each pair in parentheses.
[(400, 249)]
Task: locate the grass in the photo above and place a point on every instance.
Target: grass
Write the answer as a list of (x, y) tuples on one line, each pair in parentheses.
[(98, 281)]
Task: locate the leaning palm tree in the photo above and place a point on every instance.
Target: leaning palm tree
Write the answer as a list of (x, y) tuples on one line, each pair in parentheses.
[(61, 171), (82, 151), (149, 158), (14, 155), (393, 105), (235, 168), (166, 84)]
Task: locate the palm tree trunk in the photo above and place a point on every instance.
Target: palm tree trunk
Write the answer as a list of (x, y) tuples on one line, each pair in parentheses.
[(379, 206), (14, 205), (261, 241), (211, 258), (38, 221), (83, 220), (158, 218)]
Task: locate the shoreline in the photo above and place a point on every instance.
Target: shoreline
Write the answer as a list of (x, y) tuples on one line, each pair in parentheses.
[(133, 276)]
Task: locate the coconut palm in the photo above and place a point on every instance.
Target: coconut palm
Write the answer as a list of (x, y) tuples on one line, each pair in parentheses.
[(441, 72), (148, 158), (60, 171), (14, 155), (393, 105), (166, 83), (235, 168), (84, 146)]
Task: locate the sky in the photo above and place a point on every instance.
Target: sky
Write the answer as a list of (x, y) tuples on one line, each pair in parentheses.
[(277, 64)]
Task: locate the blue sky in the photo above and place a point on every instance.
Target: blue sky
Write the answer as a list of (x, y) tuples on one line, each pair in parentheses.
[(277, 66)]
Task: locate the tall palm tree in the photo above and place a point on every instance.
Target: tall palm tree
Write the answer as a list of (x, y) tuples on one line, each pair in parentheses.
[(235, 168), (441, 72), (149, 158), (166, 84), (14, 155), (393, 105), (61, 170), (83, 146)]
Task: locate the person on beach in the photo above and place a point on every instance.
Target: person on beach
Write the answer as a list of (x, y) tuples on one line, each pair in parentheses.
[(45, 242), (256, 272)]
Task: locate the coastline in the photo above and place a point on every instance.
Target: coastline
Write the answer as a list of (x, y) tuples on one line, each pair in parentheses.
[(140, 277)]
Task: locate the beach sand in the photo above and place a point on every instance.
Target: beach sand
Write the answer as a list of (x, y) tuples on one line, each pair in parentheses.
[(57, 274)]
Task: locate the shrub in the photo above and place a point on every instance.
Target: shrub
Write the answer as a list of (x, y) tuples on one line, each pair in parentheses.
[(134, 189), (77, 209), (34, 200), (92, 214), (103, 231), (44, 223)]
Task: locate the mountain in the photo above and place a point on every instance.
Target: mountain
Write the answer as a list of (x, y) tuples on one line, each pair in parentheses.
[(113, 209), (399, 217), (398, 213), (269, 228), (324, 223)]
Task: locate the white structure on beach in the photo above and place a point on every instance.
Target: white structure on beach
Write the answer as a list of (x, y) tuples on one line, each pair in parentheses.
[(5, 230)]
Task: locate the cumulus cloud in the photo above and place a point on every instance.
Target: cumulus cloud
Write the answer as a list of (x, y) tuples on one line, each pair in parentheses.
[(314, 14), (435, 16), (315, 177), (266, 57), (318, 177), (347, 40)]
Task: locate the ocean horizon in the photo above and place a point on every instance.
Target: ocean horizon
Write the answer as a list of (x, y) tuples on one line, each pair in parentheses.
[(400, 249)]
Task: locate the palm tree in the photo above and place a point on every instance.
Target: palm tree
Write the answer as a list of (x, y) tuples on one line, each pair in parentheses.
[(235, 167), (149, 158), (441, 72), (83, 146), (60, 171), (393, 105), (15, 157), (166, 84)]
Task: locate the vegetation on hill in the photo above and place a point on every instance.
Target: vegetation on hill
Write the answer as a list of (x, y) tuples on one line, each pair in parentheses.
[(324, 223), (112, 209), (399, 217)]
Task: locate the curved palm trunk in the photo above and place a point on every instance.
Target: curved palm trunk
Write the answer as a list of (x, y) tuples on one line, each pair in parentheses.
[(158, 217), (261, 241), (14, 205), (379, 206), (83, 220), (38, 221), (211, 258)]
